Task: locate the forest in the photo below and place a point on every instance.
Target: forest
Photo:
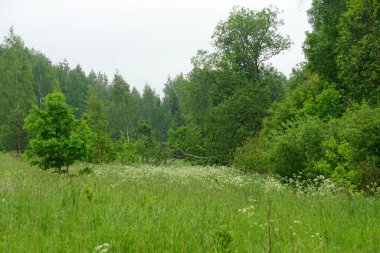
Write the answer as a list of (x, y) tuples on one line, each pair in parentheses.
[(232, 108)]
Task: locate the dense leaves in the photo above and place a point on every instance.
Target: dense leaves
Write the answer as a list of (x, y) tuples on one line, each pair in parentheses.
[(16, 85), (310, 131), (58, 138)]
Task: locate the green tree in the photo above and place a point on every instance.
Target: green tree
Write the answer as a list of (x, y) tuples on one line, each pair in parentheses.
[(74, 84), (99, 84), (78, 89), (127, 152), (58, 138), (172, 102), (120, 113), (17, 94), (233, 121), (320, 44), (228, 92), (196, 89), (135, 110), (358, 51), (43, 75), (152, 112), (248, 38), (96, 117)]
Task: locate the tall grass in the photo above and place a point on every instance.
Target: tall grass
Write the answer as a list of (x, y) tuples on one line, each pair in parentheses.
[(176, 209)]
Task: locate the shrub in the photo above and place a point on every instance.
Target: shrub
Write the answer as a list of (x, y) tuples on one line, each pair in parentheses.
[(357, 147), (127, 151), (345, 149)]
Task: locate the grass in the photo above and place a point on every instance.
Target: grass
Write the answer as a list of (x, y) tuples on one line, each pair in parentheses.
[(176, 209)]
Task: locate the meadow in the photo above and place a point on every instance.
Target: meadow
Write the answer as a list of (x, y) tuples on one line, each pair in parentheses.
[(114, 208)]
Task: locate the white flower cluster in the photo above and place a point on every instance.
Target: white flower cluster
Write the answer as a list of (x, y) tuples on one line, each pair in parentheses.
[(249, 211), (103, 248), (217, 177), (212, 177)]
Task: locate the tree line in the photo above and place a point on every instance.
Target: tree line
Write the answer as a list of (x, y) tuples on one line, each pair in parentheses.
[(232, 108)]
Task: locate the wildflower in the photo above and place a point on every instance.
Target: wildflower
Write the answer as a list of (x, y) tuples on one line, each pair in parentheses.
[(247, 210), (102, 248)]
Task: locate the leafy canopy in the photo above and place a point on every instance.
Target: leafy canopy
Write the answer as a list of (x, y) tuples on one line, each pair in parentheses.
[(58, 138)]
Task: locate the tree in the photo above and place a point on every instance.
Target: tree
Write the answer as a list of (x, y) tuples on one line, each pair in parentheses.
[(77, 92), (228, 92), (17, 94), (171, 102), (320, 44), (120, 106), (58, 138), (248, 38), (233, 121), (195, 92), (43, 75), (96, 116), (152, 112), (358, 49)]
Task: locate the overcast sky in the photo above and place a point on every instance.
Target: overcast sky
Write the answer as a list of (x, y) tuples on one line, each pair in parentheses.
[(145, 40)]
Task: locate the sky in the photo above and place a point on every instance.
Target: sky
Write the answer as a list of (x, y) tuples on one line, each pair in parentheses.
[(145, 40)]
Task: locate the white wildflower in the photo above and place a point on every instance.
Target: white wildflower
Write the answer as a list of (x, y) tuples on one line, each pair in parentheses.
[(102, 248), (247, 210)]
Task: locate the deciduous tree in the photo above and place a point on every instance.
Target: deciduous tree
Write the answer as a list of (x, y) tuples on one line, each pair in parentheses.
[(58, 138)]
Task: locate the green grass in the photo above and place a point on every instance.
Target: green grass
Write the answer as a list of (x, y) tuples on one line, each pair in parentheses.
[(172, 209)]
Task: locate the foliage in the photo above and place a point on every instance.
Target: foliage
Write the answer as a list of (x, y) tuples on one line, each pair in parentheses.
[(223, 238), (58, 138), (152, 111), (96, 117), (320, 44), (249, 38), (228, 92), (344, 149), (325, 105), (172, 102), (358, 130), (232, 122), (127, 151), (16, 87), (187, 143), (120, 111), (358, 51), (309, 131)]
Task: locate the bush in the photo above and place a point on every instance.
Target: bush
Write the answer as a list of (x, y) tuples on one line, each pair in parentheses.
[(127, 151), (298, 148), (357, 149), (253, 156), (345, 149)]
